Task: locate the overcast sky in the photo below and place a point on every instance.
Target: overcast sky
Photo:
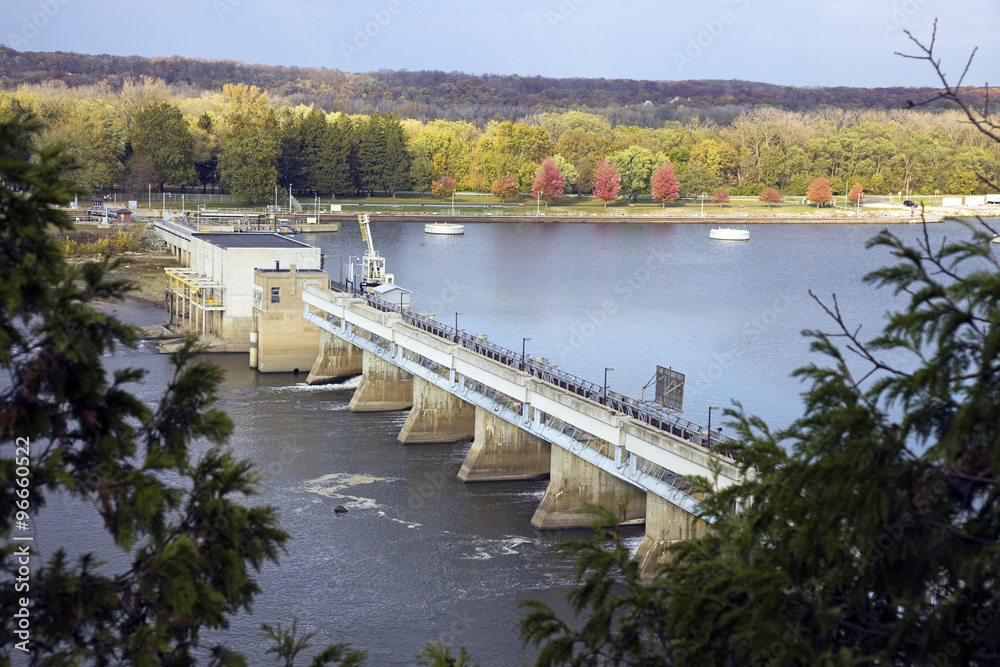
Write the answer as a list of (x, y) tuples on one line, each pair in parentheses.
[(791, 42)]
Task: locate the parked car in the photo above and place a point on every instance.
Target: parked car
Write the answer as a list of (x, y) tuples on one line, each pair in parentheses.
[(911, 204)]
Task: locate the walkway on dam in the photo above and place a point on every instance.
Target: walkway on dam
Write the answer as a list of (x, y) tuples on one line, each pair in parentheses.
[(636, 443)]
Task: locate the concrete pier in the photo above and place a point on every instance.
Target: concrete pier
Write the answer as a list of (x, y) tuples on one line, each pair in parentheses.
[(336, 361), (437, 416), (502, 451), (384, 386), (574, 484), (665, 523)]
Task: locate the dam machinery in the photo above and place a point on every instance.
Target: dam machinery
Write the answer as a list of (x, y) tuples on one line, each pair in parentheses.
[(372, 264)]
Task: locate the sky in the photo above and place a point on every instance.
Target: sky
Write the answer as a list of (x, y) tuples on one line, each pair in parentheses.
[(787, 42)]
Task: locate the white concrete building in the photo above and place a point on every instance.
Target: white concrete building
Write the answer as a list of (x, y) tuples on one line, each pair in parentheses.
[(215, 296)]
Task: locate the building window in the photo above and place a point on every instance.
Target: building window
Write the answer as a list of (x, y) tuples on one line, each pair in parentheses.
[(275, 295)]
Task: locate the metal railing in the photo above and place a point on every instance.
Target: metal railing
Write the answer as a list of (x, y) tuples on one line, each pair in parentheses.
[(658, 419)]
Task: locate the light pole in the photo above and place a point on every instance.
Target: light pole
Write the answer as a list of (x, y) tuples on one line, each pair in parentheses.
[(289, 199), (453, 202), (456, 326), (164, 207), (275, 198), (710, 408), (703, 204), (538, 203), (523, 342), (606, 369), (149, 196)]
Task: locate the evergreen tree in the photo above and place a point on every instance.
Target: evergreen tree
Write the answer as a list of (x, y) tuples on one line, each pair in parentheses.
[(291, 163), (396, 165), (341, 151), (866, 533), (316, 167), (70, 426), (371, 154)]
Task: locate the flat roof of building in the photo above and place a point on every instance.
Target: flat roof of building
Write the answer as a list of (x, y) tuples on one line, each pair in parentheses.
[(249, 240)]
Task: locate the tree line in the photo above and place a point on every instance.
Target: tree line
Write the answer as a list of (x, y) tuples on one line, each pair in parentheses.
[(252, 145)]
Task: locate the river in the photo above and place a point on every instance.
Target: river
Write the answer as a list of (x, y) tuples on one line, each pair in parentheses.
[(422, 557)]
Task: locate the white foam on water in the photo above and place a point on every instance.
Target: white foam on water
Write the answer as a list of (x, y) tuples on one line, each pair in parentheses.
[(349, 383), (332, 486)]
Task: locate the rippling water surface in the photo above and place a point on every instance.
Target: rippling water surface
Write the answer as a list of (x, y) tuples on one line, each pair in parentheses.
[(420, 556)]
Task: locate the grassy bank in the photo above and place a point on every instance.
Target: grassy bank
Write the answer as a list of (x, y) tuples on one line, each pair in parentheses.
[(135, 247)]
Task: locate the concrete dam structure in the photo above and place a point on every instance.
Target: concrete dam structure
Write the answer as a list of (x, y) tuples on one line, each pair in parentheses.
[(526, 420)]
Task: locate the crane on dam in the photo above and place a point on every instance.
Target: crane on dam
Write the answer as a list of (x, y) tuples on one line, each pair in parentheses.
[(372, 264)]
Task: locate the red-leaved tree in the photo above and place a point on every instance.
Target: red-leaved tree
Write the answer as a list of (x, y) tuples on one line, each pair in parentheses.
[(770, 196), (819, 192), (857, 194), (549, 183), (665, 184), (443, 187), (607, 182), (505, 188), (721, 196)]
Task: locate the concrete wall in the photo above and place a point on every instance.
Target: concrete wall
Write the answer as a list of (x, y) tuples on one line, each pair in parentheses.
[(234, 268), (574, 484), (384, 386), (286, 341), (336, 361), (502, 451), (665, 523), (437, 416)]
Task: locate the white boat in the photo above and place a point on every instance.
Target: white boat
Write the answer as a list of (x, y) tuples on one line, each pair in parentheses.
[(447, 228), (727, 234), (996, 238)]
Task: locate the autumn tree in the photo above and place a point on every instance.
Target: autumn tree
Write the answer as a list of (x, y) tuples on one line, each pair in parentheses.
[(94, 137), (247, 163), (507, 149), (139, 174), (666, 188), (584, 150), (505, 188), (770, 196), (444, 186), (607, 182), (720, 196), (635, 164), (568, 171), (696, 179), (549, 182), (160, 134), (857, 194), (819, 191)]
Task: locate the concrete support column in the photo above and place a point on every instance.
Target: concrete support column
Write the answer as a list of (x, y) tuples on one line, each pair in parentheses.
[(665, 523), (437, 416), (384, 387), (503, 451), (337, 360), (574, 484)]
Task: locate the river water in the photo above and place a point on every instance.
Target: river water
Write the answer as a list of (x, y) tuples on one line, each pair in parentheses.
[(422, 557)]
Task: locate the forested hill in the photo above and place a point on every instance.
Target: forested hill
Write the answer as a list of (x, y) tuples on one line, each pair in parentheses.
[(429, 95)]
